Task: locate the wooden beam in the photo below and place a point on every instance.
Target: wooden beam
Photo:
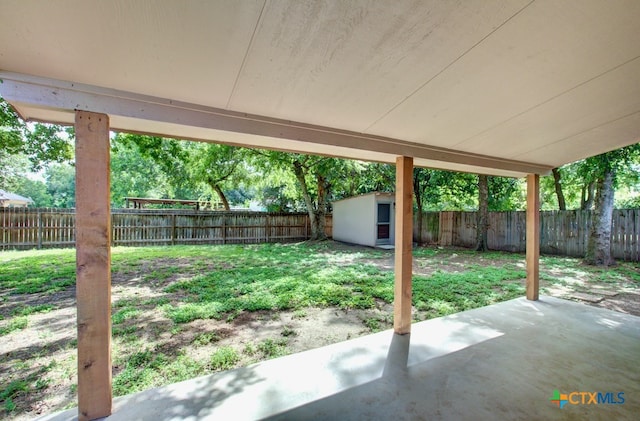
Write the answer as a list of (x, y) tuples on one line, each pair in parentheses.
[(404, 243), (93, 265), (533, 236), (260, 131)]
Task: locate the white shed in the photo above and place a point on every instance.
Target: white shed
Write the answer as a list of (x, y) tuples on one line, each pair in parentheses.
[(368, 219)]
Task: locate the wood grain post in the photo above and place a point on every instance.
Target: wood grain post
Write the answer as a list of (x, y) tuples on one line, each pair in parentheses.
[(404, 243), (93, 265), (533, 236)]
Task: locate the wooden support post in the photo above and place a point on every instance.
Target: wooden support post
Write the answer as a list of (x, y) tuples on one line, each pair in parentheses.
[(404, 243), (533, 236), (93, 265)]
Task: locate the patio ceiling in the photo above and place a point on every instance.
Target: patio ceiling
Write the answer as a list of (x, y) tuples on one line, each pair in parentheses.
[(505, 88)]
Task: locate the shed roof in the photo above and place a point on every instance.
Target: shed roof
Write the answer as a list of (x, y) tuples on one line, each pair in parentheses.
[(375, 193), (505, 88)]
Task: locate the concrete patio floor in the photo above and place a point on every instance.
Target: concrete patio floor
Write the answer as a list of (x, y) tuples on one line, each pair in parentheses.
[(498, 362)]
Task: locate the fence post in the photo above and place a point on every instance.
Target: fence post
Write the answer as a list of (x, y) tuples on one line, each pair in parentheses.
[(224, 229), (39, 222), (173, 229), (267, 228)]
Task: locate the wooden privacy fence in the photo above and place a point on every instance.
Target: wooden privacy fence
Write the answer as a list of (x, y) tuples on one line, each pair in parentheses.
[(561, 232), (48, 228)]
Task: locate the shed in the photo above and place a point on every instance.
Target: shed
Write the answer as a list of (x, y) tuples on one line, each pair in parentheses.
[(367, 219), (12, 200)]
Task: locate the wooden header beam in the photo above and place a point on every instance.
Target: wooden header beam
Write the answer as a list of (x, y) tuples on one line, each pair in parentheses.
[(69, 96)]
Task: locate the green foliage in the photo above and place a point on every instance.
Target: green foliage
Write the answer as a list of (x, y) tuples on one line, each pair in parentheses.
[(135, 175), (619, 161), (39, 143), (13, 324), (270, 348), (124, 314), (193, 311), (14, 171), (12, 390), (146, 369), (205, 338), (36, 190), (224, 358), (61, 185), (33, 309)]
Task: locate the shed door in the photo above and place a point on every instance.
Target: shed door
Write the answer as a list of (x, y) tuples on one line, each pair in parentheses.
[(384, 220)]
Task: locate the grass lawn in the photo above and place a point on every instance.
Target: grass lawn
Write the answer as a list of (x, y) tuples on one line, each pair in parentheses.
[(181, 312)]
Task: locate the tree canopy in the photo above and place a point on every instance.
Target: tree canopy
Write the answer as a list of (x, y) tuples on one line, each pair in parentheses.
[(36, 161)]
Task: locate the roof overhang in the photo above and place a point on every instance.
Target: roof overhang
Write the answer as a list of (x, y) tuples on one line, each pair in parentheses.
[(486, 87), (41, 99)]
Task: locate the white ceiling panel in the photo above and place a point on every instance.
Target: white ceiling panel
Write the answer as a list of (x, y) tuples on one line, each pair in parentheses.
[(547, 49), (185, 50), (590, 105), (347, 64)]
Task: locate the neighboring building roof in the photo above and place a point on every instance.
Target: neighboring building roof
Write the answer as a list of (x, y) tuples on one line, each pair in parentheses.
[(6, 196)]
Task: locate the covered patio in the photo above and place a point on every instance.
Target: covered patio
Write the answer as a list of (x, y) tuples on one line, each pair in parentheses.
[(511, 89)]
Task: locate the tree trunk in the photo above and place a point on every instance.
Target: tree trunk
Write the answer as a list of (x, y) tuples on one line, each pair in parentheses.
[(482, 223), (298, 170), (220, 193), (588, 194), (418, 195), (599, 244), (562, 205), (321, 215)]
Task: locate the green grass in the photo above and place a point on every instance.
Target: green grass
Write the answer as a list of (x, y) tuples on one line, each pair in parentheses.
[(15, 323), (190, 283), (124, 314), (272, 348), (205, 338), (224, 358), (147, 369)]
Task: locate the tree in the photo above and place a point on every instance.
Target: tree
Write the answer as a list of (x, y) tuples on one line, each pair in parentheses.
[(562, 204), (216, 166), (36, 190), (39, 143), (421, 178), (170, 156), (135, 175), (604, 170), (13, 169), (61, 185), (482, 218), (315, 177)]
